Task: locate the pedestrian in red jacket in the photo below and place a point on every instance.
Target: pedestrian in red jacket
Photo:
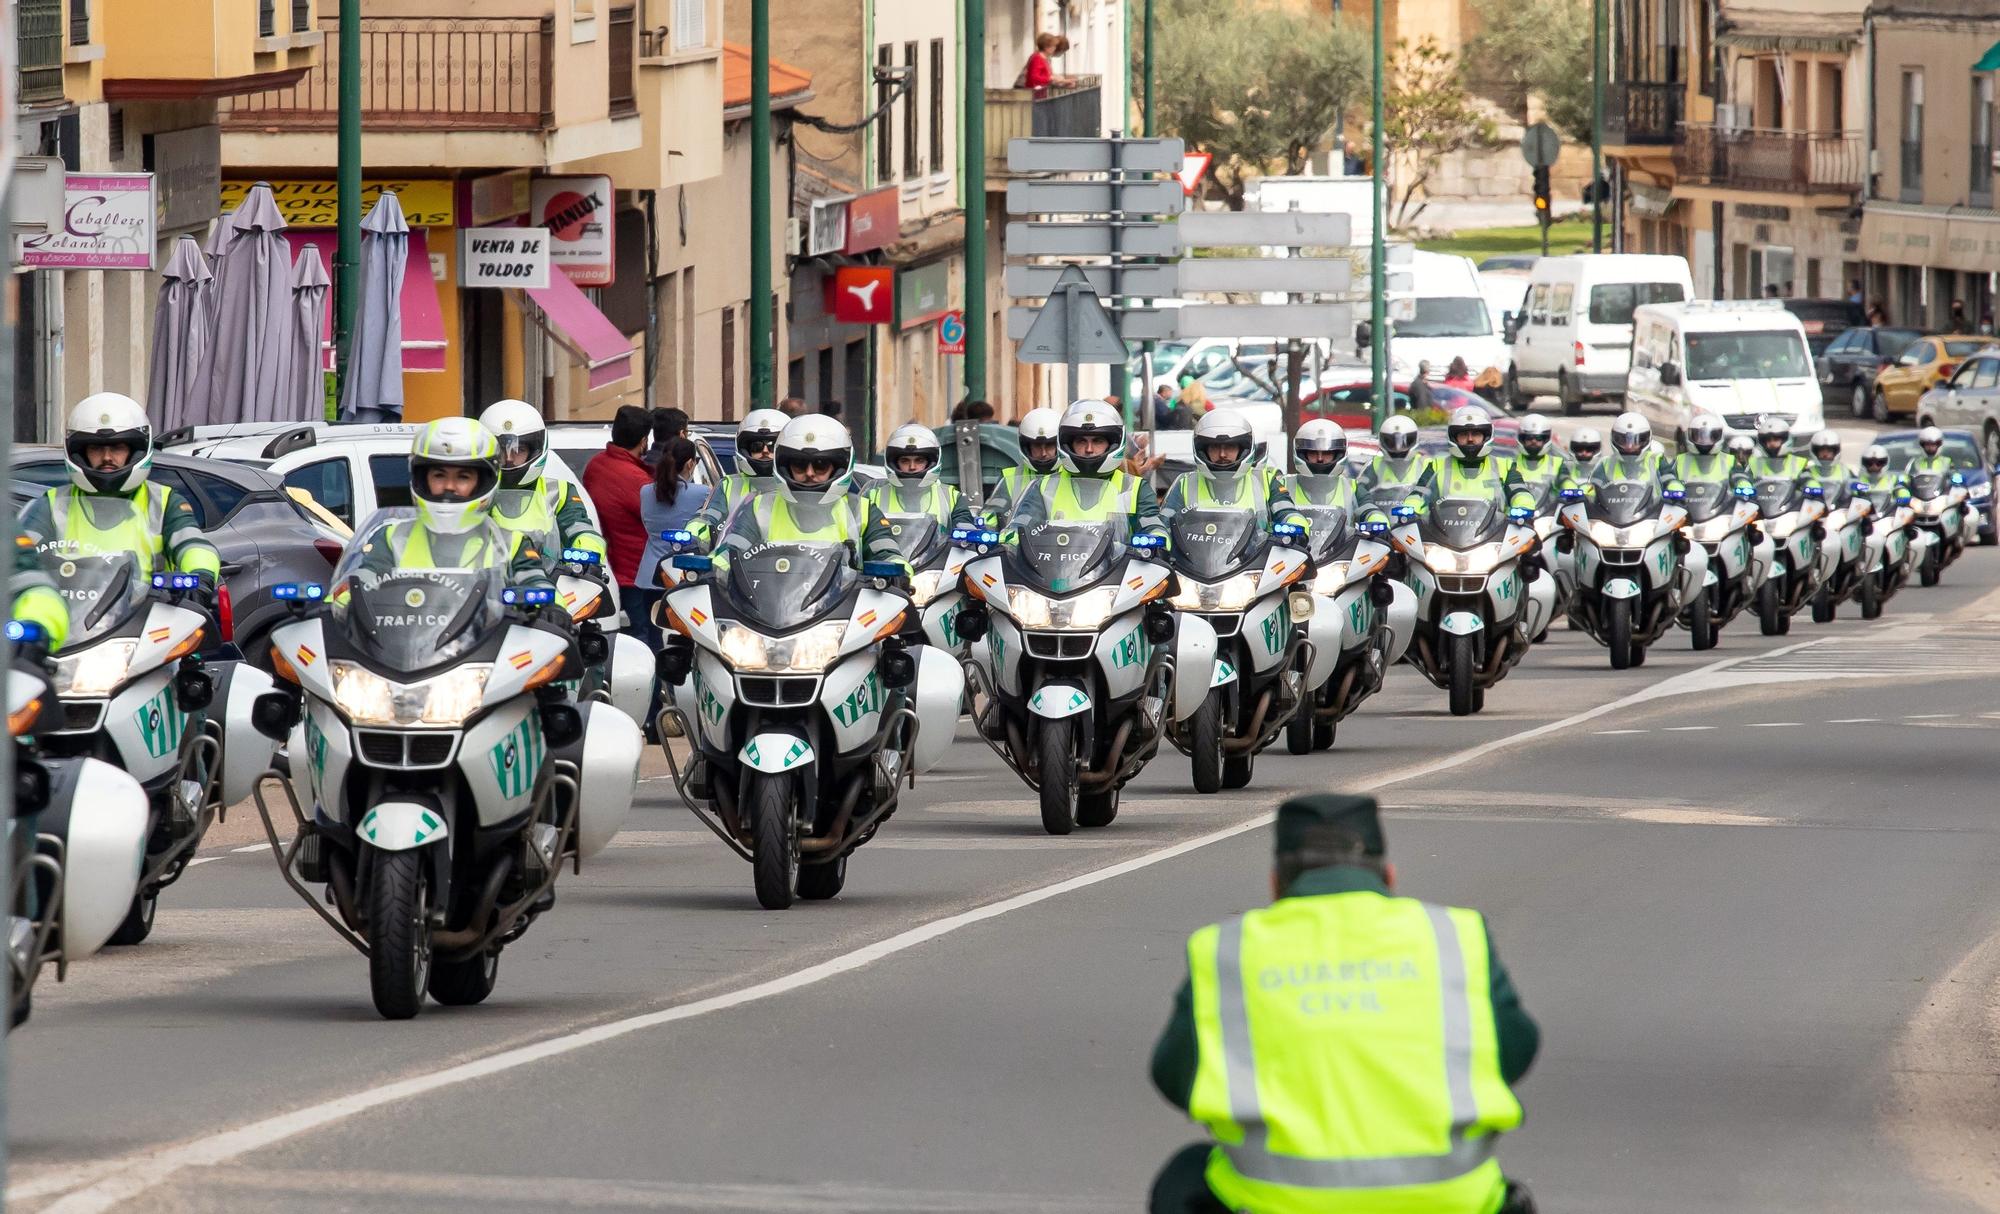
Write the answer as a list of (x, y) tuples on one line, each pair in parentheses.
[(613, 479)]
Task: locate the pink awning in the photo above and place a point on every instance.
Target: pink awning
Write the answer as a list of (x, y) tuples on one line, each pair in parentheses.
[(423, 319), (584, 331)]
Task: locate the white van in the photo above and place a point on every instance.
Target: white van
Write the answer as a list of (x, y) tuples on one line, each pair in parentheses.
[(1574, 337), (1443, 316), (1737, 359)]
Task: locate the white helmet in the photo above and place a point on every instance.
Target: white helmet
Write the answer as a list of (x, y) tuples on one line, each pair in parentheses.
[(1740, 447), (814, 439), (1535, 429), (1091, 419), (1930, 438), (1585, 444), (1469, 422), (1827, 441), (757, 440), (1875, 459), (1040, 426), (103, 420), (454, 442), (1320, 436), (912, 439), (1704, 432), (523, 438), (1223, 428), (1631, 434), (1772, 427), (1398, 436)]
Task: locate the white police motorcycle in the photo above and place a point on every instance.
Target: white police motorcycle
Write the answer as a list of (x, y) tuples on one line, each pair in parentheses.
[(1789, 517), (1359, 627), (1945, 515), (1893, 547), (1843, 556), (936, 580), (1634, 569), (1720, 515), (438, 776), (1477, 610)]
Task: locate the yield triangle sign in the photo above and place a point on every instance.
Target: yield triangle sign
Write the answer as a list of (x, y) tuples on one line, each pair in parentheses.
[(1194, 167), (1095, 334)]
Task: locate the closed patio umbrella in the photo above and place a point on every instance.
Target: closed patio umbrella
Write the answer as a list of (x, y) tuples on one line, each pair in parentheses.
[(252, 351), (309, 290), (372, 390), (175, 392)]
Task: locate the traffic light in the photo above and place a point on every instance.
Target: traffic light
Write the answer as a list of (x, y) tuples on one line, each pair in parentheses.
[(1542, 194)]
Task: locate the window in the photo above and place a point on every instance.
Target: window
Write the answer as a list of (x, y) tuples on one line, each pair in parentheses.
[(1562, 297), (328, 483), (913, 165), (1986, 373), (391, 474), (1912, 181), (223, 495), (1854, 339), (1611, 303), (1538, 304), (1982, 136), (690, 25), (1705, 47), (937, 106), (1451, 316), (885, 130), (1771, 354)]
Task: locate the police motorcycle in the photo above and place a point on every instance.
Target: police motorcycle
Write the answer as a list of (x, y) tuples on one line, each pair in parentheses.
[(1843, 556), (1634, 569), (1892, 543), (74, 873), (1789, 520), (1720, 516), (448, 774), (1477, 610), (132, 692), (617, 667), (1584, 447), (1089, 667), (1943, 517), (936, 563)]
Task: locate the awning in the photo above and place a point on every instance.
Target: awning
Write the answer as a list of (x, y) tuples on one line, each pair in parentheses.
[(1990, 61), (423, 320), (1948, 237), (581, 329)]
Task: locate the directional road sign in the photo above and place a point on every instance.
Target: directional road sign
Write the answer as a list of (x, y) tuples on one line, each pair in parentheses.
[(1139, 238), (1094, 155), (1293, 275), (1213, 229), (1307, 321), (1152, 197), (1149, 282)]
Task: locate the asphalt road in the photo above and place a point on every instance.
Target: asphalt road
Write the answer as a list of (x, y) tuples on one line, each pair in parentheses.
[(1746, 893)]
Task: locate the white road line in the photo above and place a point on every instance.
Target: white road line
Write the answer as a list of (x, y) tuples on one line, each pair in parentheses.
[(237, 851), (1773, 724), (1856, 721), (202, 860), (1686, 728), (1607, 733), (97, 1186), (1928, 716)]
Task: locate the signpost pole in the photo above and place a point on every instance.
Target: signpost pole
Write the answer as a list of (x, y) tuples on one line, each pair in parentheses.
[(347, 191), (1597, 66), (1378, 274), (762, 373), (1073, 319), (972, 151)]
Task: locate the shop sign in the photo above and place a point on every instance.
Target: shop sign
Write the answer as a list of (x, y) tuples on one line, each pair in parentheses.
[(503, 257), (923, 293), (829, 227), (873, 221), (188, 166), (316, 204), (864, 295), (577, 211), (498, 197), (110, 222)]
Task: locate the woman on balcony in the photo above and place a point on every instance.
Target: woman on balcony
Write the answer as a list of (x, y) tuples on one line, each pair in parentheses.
[(1039, 75)]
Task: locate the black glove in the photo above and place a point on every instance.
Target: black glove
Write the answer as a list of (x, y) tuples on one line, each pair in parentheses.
[(204, 593)]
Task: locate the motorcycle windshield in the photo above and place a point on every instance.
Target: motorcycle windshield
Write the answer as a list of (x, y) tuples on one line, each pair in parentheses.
[(1623, 503), (1709, 499), (101, 589), (408, 600), (784, 587), (1777, 495), (1062, 558), (1927, 485), (1544, 493), (1213, 544), (1465, 522), (919, 536), (1333, 535), (1882, 500)]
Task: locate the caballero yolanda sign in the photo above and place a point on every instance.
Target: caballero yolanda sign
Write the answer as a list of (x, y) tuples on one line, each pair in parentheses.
[(109, 223)]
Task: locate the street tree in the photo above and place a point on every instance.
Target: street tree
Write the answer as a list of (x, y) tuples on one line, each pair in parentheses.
[(1536, 48), (1258, 86), (1427, 114)]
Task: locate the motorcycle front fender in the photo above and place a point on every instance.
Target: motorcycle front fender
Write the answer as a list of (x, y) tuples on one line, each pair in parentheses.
[(1195, 648), (1056, 701), (1461, 623), (1540, 607), (402, 826), (775, 753), (1330, 631), (1402, 620), (630, 672), (1620, 588), (246, 754)]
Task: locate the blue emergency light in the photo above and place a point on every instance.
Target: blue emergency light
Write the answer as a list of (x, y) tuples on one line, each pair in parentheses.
[(1149, 541), (689, 562), (677, 537), (533, 597), (974, 537), (881, 569), (579, 556), (23, 631), (175, 581)]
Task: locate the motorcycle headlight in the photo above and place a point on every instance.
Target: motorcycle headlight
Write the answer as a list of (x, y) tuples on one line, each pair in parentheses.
[(1782, 528), (925, 586), (1230, 594), (1085, 611), (366, 698), (742, 648), (96, 671), (1603, 534), (1712, 531), (1483, 559), (1981, 492), (809, 652), (1331, 578)]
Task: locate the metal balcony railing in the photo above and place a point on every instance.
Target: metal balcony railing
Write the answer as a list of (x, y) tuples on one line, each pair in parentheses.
[(623, 48), (1784, 162), (38, 43), (1076, 112), (421, 74), (1640, 112)]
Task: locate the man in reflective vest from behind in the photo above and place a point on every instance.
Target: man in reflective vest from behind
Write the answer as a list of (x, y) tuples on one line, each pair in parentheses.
[(1349, 1050)]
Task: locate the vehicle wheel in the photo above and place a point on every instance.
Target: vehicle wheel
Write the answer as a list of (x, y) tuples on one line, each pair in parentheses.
[(1822, 608), (464, 983), (1572, 404), (1857, 400), (1205, 744), (1638, 656), (1324, 733), (138, 922), (1771, 617), (1095, 809), (1236, 770), (776, 851), (1055, 761), (1517, 401), (1927, 573), (1463, 654), (1618, 632), (1299, 731), (1479, 699), (1701, 622), (399, 934), (818, 882), (1871, 597), (1878, 406)]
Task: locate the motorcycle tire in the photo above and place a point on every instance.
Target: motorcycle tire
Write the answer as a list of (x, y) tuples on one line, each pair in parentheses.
[(1299, 731), (138, 922), (775, 853), (464, 983), (1205, 744), (1701, 622), (399, 934), (1871, 597), (1771, 617), (1618, 632), (1095, 809), (818, 882), (1928, 571), (1056, 766), (1638, 656), (1236, 770), (1323, 734), (1822, 608), (1463, 655)]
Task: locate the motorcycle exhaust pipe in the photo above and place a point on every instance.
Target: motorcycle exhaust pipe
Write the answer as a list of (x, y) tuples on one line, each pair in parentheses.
[(489, 897), (1333, 711), (1248, 739), (1116, 756), (837, 833)]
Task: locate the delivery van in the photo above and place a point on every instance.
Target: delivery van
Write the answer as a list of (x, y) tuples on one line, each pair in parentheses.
[(1573, 336), (1737, 359)]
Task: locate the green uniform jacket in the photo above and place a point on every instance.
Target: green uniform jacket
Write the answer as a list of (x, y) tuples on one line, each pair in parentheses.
[(1196, 490), (526, 563), (735, 489), (1033, 508), (1893, 483), (1836, 480), (1930, 463), (1781, 467), (1177, 1054), (1691, 466), (769, 518), (1014, 485), (891, 498), (1383, 476), (567, 521), (180, 538), (1447, 476), (36, 599), (1643, 467)]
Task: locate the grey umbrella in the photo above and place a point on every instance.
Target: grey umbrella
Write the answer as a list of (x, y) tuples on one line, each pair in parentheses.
[(372, 390), (307, 401), (175, 393), (251, 364)]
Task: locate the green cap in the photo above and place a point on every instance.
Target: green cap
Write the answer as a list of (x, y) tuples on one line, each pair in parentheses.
[(1305, 822)]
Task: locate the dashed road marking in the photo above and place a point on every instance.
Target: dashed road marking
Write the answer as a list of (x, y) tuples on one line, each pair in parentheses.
[(1688, 728), (1856, 721), (1772, 724)]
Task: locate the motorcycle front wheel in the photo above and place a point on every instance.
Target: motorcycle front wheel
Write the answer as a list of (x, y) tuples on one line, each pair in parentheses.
[(399, 934), (1771, 617), (818, 882), (1463, 655), (1822, 607), (1927, 573), (1299, 731), (1055, 750), (1618, 632), (1701, 621), (774, 850), (1871, 596), (138, 921), (1095, 809), (1205, 743)]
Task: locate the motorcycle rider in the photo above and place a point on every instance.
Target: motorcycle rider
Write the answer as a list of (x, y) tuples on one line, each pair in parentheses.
[(1225, 477), (454, 479), (1772, 462), (1703, 459), (1876, 477), (1827, 468), (1039, 456), (1584, 448), (1540, 461), (1633, 458), (110, 505), (756, 451), (527, 500), (1470, 469), (1389, 477), (1930, 441), (813, 501), (1089, 485), (912, 486), (1319, 453)]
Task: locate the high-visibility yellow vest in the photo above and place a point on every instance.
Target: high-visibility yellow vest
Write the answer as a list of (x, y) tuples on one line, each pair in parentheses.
[(1349, 1062), (1119, 498), (888, 498), (97, 524), (779, 523)]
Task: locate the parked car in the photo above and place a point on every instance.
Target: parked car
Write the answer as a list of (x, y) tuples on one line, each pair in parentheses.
[(264, 536), (1848, 365), (1966, 460), (1921, 366), (1969, 401), (1824, 319), (1351, 405)]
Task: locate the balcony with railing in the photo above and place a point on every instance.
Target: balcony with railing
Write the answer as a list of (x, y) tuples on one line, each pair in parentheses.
[(1076, 111), (1771, 161), (1639, 113), (38, 45)]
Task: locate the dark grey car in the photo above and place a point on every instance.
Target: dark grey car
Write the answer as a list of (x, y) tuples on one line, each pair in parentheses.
[(265, 538), (1849, 364)]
